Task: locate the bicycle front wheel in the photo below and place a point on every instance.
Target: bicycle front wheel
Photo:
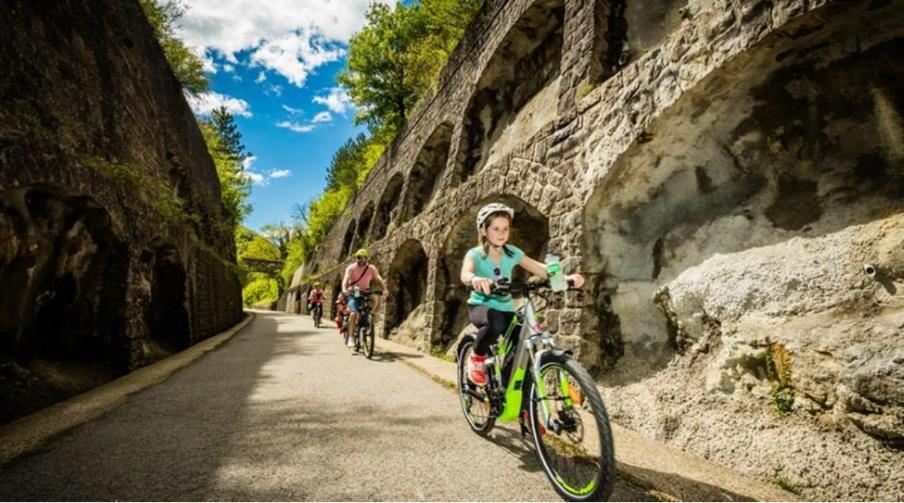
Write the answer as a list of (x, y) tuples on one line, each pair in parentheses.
[(575, 447), (367, 340)]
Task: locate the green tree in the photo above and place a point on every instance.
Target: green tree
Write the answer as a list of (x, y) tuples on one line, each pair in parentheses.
[(441, 24), (261, 289), (235, 187), (346, 163), (230, 138), (261, 248), (186, 65), (376, 74)]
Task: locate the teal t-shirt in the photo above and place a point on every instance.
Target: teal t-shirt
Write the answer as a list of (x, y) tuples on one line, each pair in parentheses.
[(486, 268)]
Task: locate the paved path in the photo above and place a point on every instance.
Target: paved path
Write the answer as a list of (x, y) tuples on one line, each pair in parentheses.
[(284, 412)]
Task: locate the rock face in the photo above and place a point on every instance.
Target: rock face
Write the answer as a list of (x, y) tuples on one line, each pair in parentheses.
[(721, 171), (112, 247)]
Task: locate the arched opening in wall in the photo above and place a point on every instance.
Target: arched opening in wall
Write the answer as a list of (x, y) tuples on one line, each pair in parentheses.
[(363, 226), (517, 93), (530, 232), (388, 203), (427, 171), (406, 317), (349, 238), (62, 303), (779, 151), (626, 31), (166, 314)]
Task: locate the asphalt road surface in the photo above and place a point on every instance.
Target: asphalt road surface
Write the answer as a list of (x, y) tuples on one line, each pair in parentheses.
[(284, 411)]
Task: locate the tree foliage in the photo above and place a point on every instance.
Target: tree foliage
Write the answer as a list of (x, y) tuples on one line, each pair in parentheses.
[(261, 289), (186, 65), (235, 187), (228, 131), (397, 57), (392, 62)]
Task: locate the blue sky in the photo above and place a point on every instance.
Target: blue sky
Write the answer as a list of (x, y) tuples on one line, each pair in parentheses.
[(273, 65)]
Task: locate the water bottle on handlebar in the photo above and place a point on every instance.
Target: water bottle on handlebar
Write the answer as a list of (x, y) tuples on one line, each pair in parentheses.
[(554, 271)]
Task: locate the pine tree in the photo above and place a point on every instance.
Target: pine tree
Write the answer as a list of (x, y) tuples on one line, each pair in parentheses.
[(228, 131)]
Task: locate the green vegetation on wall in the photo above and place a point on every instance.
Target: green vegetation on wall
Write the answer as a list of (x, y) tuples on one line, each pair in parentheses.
[(186, 66)]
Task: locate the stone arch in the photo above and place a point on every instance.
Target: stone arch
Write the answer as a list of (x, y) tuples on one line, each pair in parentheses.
[(427, 171), (408, 280), (63, 301), (166, 314), (349, 238), (530, 232), (387, 206), (364, 224), (517, 93), (770, 147)]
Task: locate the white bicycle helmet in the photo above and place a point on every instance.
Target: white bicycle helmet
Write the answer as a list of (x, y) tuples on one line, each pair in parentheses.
[(491, 208)]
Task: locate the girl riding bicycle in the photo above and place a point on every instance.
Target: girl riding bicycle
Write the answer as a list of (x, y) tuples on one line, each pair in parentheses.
[(493, 260)]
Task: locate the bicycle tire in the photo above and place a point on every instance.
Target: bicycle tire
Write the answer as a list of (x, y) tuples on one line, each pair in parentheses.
[(480, 427), (602, 477), (317, 317), (358, 337), (368, 340)]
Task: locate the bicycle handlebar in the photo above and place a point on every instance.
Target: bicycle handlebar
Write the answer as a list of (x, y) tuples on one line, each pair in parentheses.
[(520, 287), (369, 292)]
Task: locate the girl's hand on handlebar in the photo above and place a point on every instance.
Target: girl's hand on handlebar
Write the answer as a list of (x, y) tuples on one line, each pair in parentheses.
[(482, 285), (576, 280)]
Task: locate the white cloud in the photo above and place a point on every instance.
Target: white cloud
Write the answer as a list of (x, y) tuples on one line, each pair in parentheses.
[(293, 111), (295, 55), (204, 103), (322, 117), (292, 37), (228, 68), (256, 178), (337, 100), (280, 173), (207, 64), (274, 89), (260, 77), (296, 127), (248, 162)]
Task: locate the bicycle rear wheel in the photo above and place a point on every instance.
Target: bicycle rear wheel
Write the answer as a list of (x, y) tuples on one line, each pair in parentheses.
[(475, 404), (318, 313), (576, 449)]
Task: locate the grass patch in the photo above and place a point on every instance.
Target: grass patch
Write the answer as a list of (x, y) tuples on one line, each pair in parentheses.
[(778, 371), (786, 484), (155, 193), (440, 352)]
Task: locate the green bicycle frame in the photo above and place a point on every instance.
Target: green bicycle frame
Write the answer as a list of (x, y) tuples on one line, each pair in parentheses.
[(531, 332)]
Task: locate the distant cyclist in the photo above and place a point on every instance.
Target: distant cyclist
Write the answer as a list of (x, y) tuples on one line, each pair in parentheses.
[(315, 299), (341, 310), (483, 266), (357, 278)]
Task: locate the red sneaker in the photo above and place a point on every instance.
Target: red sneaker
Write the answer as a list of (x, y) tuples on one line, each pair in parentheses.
[(477, 369)]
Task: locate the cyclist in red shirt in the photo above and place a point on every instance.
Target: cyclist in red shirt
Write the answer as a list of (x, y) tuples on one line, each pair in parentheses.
[(315, 299)]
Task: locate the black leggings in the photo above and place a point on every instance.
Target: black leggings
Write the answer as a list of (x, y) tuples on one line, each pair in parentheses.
[(490, 324)]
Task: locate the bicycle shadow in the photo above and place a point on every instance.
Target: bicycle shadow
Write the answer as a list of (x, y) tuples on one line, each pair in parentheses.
[(509, 438)]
